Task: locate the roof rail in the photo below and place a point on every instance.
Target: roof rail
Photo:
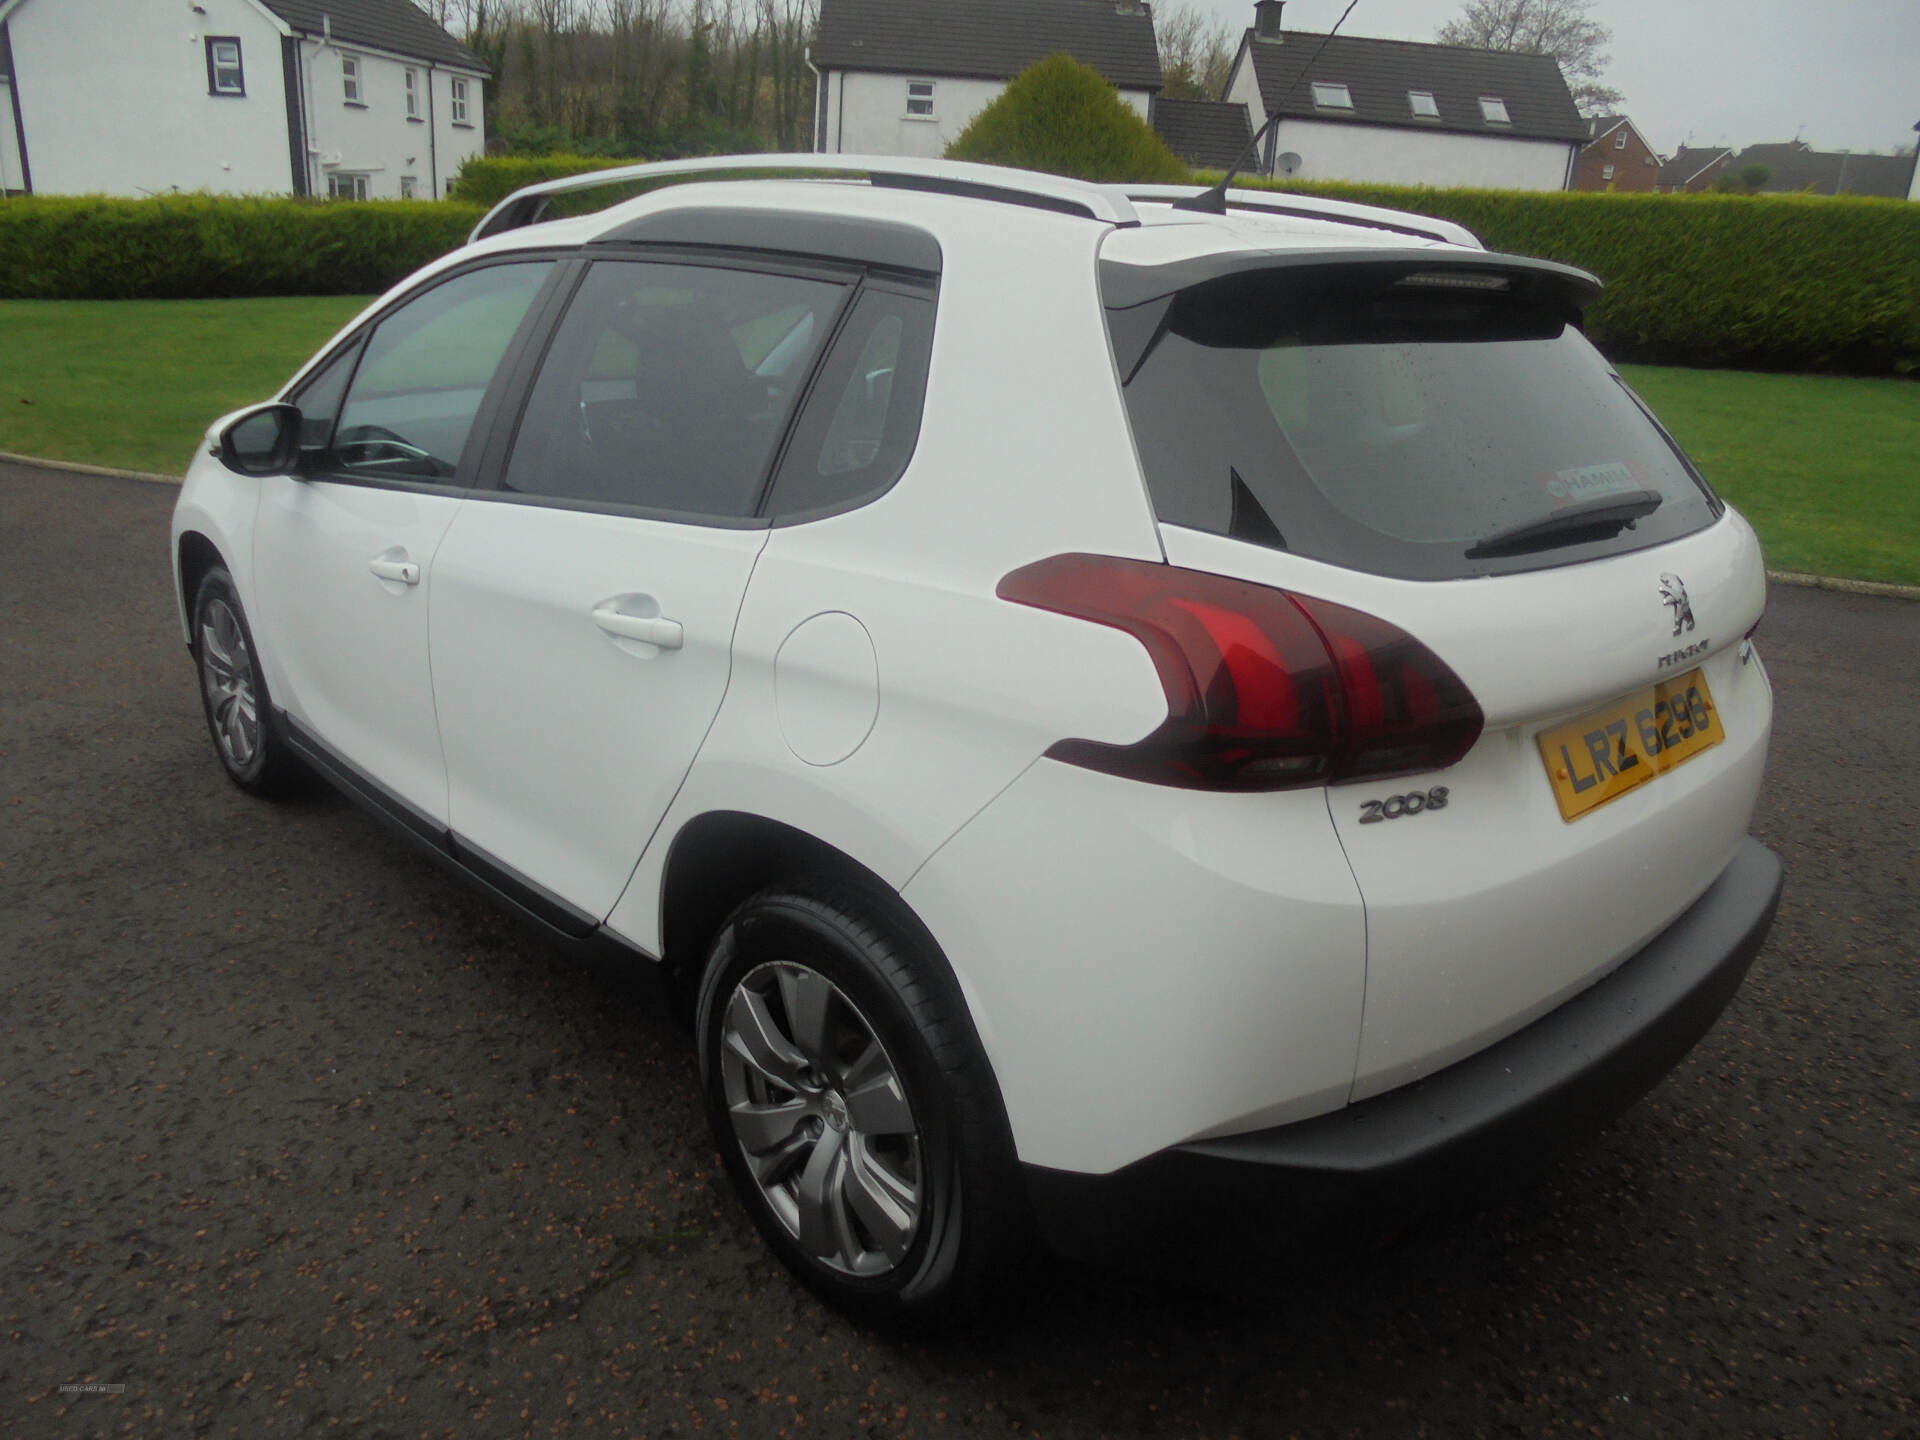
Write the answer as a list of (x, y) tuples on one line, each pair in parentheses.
[(1313, 207), (901, 172)]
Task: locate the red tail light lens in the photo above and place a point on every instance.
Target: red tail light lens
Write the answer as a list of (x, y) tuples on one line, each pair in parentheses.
[(1266, 690)]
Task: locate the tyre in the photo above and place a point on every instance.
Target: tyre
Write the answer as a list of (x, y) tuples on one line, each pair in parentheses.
[(233, 691), (853, 1105)]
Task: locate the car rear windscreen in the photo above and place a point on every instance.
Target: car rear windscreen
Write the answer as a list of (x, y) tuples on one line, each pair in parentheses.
[(1425, 425)]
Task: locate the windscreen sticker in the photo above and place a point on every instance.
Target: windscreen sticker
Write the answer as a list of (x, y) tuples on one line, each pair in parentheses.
[(1590, 482)]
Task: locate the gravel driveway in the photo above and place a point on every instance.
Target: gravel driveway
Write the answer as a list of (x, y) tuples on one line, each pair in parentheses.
[(297, 1135)]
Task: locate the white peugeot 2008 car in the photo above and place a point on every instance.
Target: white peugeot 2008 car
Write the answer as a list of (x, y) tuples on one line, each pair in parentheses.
[(1104, 705)]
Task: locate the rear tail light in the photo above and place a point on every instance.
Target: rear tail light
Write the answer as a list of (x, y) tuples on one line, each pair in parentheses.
[(1266, 690)]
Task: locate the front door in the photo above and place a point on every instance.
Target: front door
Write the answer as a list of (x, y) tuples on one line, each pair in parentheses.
[(349, 544)]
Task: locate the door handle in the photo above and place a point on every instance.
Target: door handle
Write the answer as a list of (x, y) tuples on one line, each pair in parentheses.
[(405, 571), (649, 629)]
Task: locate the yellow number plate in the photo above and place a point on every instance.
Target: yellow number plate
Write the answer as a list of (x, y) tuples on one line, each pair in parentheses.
[(1622, 746)]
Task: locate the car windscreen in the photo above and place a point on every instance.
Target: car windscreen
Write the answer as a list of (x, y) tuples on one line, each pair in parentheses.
[(1424, 426)]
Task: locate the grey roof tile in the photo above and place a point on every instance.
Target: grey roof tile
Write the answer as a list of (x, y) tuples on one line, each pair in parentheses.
[(1379, 73), (988, 39), (1796, 167), (396, 25), (1687, 164), (1208, 133)]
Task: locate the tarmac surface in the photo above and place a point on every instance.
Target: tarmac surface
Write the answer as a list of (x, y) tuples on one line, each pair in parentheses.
[(299, 1136)]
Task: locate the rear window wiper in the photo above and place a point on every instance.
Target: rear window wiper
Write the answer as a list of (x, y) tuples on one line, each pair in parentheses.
[(1598, 519)]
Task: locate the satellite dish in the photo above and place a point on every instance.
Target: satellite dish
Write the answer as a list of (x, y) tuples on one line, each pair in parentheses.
[(1289, 162)]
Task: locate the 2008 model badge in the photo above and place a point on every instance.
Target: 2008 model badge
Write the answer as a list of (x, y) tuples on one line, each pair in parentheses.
[(1673, 591)]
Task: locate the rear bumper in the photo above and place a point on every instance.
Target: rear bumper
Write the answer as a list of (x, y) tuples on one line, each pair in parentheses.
[(1505, 1109)]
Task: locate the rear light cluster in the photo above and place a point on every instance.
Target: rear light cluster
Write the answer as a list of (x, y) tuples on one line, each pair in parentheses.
[(1266, 690)]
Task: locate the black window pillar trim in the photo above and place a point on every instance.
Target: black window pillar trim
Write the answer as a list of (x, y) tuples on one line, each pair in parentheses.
[(296, 117), (19, 120)]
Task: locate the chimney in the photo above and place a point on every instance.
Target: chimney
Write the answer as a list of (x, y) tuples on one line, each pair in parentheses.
[(1266, 19)]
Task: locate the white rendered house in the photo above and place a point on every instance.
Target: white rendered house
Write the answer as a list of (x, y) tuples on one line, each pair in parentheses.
[(358, 99), (1400, 112), (905, 77)]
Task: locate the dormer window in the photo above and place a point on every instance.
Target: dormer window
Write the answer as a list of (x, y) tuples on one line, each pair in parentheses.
[(1331, 97), (1494, 110), (1424, 106)]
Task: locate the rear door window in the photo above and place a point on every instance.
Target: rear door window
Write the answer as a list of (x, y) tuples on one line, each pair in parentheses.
[(668, 385), (1412, 430)]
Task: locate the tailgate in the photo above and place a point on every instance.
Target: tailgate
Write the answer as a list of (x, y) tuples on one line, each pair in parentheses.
[(1488, 908)]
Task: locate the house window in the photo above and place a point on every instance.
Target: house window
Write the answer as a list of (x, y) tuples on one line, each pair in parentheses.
[(346, 187), (920, 99), (1423, 104), (1494, 110), (406, 187), (413, 94), (1331, 97), (350, 79), (459, 101), (224, 75), (1606, 172), (1620, 140)]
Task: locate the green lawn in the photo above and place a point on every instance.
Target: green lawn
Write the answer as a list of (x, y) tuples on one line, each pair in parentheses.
[(1828, 469), (133, 383)]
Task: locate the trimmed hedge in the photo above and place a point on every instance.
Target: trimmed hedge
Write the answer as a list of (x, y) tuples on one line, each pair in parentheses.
[(1766, 282), (487, 180), (179, 247), (1064, 117), (1786, 282)]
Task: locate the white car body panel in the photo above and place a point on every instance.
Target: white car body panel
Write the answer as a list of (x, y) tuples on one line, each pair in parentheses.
[(348, 659), (564, 742), (1148, 965)]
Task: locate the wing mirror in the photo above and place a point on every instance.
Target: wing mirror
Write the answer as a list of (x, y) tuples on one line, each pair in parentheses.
[(265, 441)]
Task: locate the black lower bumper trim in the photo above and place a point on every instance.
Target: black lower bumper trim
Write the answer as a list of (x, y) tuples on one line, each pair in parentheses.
[(1510, 1107)]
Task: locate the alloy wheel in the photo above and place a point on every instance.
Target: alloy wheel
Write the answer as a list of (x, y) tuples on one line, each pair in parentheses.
[(822, 1118)]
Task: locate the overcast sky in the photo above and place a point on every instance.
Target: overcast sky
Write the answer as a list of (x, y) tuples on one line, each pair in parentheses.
[(1843, 75)]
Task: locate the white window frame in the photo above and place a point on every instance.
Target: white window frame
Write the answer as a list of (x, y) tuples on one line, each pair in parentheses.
[(413, 93), (350, 92), (1331, 95), (1606, 172), (1620, 140), (1414, 97), (346, 187), (407, 188), (920, 100), (457, 93), (216, 68), (1494, 110)]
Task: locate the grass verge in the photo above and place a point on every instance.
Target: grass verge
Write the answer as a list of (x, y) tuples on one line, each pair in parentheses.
[(133, 383), (1824, 466)]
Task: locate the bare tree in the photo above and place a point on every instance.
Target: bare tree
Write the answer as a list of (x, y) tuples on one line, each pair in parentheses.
[(788, 24), (1196, 52), (1560, 28)]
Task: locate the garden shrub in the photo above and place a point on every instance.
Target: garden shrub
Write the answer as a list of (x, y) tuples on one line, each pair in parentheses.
[(177, 247), (1065, 118), (1787, 282)]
